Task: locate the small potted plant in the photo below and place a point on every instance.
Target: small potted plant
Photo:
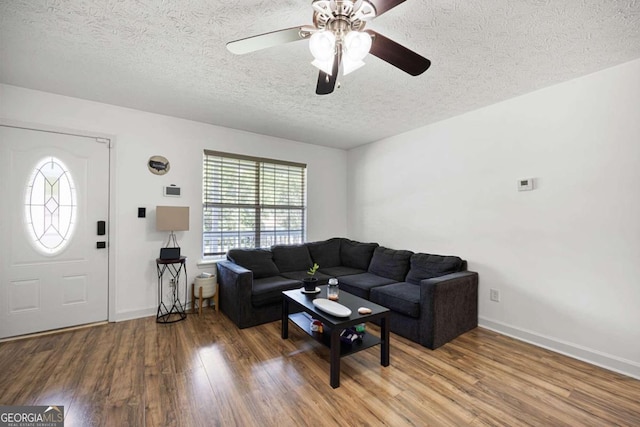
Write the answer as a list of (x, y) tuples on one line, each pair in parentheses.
[(310, 282)]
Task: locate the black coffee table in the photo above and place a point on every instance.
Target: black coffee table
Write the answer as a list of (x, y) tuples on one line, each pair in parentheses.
[(298, 307)]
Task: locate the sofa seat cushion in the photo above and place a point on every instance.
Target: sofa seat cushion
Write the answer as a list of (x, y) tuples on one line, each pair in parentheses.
[(323, 279), (291, 258), (355, 254), (426, 266), (403, 298), (340, 271), (259, 261), (268, 290), (390, 263), (326, 253), (361, 284)]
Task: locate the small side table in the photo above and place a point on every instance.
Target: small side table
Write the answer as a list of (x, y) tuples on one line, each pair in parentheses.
[(204, 289), (174, 268)]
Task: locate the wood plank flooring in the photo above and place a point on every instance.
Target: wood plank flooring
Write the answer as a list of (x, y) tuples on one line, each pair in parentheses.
[(206, 372)]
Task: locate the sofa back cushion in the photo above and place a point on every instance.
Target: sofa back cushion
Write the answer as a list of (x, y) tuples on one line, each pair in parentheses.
[(426, 266), (326, 253), (260, 261), (355, 254), (291, 258), (390, 263)]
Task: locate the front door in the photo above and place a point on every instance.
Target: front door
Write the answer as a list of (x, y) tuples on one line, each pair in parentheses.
[(53, 230)]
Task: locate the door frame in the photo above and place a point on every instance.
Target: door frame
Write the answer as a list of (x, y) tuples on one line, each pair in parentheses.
[(111, 220)]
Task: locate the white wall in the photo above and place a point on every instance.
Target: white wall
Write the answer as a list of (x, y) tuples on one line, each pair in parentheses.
[(139, 135), (566, 256)]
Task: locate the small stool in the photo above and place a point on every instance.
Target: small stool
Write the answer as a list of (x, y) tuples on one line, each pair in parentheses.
[(207, 288)]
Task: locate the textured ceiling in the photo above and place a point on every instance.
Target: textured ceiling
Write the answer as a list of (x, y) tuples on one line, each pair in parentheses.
[(169, 57)]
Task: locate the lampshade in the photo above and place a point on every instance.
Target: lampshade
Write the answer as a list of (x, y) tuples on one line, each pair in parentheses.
[(172, 218), (349, 65), (326, 66), (322, 45), (357, 45)]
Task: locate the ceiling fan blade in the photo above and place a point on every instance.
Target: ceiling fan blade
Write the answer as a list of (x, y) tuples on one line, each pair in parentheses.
[(397, 55), (263, 41), (384, 5), (326, 82)]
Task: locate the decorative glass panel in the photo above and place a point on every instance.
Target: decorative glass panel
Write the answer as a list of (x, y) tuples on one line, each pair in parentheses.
[(50, 206)]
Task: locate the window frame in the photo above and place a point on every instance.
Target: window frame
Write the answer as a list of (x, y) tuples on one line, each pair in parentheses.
[(212, 199)]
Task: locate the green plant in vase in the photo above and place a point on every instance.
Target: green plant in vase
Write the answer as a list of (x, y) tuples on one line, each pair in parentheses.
[(310, 282)]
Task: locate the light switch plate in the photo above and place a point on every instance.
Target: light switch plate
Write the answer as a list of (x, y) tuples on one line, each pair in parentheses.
[(525, 184)]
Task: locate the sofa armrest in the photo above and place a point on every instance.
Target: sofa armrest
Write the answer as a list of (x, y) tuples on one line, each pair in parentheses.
[(449, 307), (235, 284)]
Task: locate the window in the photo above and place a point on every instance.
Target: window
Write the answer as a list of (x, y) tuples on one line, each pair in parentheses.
[(50, 206), (251, 202)]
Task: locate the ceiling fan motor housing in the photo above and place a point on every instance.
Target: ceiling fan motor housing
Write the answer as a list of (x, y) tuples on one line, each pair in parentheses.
[(342, 16)]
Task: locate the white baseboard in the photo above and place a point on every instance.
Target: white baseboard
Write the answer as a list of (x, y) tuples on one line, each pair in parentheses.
[(594, 357), (136, 314)]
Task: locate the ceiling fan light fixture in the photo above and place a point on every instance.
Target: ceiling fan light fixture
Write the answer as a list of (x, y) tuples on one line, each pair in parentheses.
[(349, 65), (322, 45), (357, 45), (339, 42), (326, 66)]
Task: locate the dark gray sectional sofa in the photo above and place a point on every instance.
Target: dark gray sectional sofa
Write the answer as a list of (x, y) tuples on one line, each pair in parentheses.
[(432, 298)]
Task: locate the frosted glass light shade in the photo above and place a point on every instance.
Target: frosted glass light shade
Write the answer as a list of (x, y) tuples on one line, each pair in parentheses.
[(357, 45), (350, 65), (326, 66), (322, 45)]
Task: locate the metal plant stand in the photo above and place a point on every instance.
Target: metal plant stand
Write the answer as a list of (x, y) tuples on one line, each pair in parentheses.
[(175, 269)]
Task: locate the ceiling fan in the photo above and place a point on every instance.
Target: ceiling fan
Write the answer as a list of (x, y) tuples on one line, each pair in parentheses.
[(339, 42)]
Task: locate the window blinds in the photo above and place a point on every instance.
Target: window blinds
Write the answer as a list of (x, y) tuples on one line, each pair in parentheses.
[(251, 202)]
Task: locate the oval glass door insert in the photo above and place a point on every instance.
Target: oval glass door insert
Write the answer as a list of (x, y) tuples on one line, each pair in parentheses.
[(50, 206)]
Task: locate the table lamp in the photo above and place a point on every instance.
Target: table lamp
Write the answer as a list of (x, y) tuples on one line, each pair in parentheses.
[(172, 219)]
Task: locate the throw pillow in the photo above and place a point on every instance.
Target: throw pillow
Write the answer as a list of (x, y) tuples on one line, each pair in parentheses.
[(355, 254), (260, 261), (390, 263), (291, 258), (326, 253)]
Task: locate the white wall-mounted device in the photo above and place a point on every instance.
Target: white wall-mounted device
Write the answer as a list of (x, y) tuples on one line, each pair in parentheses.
[(172, 191), (525, 184)]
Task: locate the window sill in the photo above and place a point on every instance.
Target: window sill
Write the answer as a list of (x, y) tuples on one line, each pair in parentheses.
[(208, 262)]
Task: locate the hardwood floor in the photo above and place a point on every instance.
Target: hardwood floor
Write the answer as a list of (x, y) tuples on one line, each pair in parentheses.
[(204, 371)]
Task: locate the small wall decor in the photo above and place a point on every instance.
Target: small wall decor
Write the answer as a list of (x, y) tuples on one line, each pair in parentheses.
[(158, 165)]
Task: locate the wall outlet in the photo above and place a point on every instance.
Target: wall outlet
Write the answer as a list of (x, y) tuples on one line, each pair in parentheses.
[(494, 295)]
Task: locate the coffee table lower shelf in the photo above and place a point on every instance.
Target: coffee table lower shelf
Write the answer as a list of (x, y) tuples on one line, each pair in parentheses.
[(303, 321), (299, 309)]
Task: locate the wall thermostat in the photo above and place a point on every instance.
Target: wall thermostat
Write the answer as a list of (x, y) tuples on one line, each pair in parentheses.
[(172, 191), (525, 184)]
